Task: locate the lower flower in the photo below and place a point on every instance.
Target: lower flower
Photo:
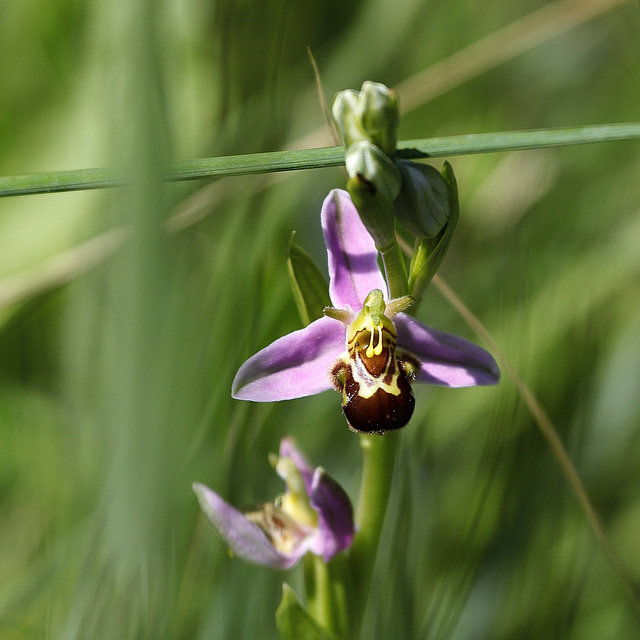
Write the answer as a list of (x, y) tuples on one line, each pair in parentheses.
[(313, 515)]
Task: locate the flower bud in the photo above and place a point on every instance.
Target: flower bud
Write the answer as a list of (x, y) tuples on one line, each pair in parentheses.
[(345, 106), (364, 159), (371, 114), (423, 203), (378, 113), (375, 211), (373, 184)]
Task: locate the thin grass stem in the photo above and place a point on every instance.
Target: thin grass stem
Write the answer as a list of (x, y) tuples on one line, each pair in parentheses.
[(505, 44), (550, 434), (324, 157), (500, 46)]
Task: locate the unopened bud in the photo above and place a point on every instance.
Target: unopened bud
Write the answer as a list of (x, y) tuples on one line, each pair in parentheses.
[(378, 115), (364, 159), (371, 114), (344, 110), (375, 210)]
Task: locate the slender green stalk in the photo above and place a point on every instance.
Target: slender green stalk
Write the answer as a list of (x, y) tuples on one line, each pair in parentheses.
[(325, 593), (379, 453), (522, 140), (550, 434), (395, 271), (194, 169)]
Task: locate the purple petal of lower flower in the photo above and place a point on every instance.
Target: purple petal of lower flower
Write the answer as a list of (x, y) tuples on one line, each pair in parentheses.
[(288, 449), (445, 359), (353, 259), (293, 366), (245, 538), (335, 515)]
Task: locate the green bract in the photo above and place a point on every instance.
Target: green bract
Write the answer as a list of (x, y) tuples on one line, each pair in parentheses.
[(294, 621), (423, 203), (430, 251)]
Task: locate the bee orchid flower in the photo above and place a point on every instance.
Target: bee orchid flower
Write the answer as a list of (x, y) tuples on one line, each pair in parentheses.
[(314, 515), (364, 347)]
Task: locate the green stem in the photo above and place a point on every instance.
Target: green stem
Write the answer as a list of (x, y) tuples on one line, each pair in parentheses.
[(395, 271), (325, 591), (192, 169), (379, 453)]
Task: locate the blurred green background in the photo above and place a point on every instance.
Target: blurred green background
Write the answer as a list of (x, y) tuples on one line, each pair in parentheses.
[(117, 353)]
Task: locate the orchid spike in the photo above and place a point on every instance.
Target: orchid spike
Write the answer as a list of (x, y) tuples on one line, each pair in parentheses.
[(314, 515), (365, 347)]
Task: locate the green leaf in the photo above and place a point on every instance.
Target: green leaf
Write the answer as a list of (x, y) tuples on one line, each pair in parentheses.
[(294, 622), (310, 288)]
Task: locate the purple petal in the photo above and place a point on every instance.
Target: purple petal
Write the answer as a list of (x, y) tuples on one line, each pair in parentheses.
[(353, 258), (245, 538), (335, 515), (293, 366), (328, 498), (445, 359)]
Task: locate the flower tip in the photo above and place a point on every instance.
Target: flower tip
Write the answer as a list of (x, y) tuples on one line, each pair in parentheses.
[(198, 489), (241, 383), (204, 495), (495, 371), (488, 372), (236, 386)]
